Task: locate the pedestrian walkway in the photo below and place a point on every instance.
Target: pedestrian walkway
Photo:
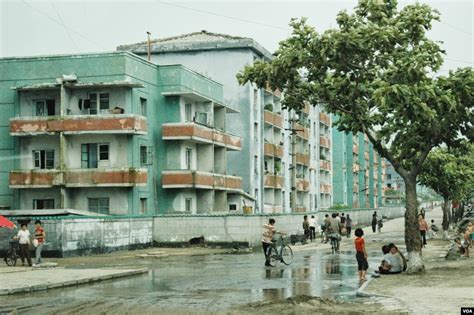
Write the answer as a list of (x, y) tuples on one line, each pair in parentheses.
[(27, 279)]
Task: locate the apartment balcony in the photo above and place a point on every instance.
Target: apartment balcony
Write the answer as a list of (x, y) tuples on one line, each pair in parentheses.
[(200, 180), (366, 156), (273, 119), (324, 118), (202, 134), (324, 142), (301, 209), (355, 149), (271, 149), (123, 177), (78, 124), (302, 158), (302, 132), (302, 184), (276, 92), (325, 188), (325, 165), (355, 168), (269, 208), (305, 108), (273, 181)]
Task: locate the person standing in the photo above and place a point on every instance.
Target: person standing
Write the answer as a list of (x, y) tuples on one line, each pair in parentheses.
[(23, 238), (423, 226), (374, 221), (361, 254), (343, 223), (327, 222), (40, 235), (306, 228), (312, 228), (348, 226)]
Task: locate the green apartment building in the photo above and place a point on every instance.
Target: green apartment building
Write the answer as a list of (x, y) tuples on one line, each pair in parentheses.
[(358, 171), (109, 133)]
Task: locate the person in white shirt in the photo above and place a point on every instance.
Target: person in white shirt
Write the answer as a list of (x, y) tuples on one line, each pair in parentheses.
[(312, 228), (23, 238)]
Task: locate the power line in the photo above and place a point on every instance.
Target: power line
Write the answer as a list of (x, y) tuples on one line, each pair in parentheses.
[(457, 28), (62, 22), (62, 25), (222, 15)]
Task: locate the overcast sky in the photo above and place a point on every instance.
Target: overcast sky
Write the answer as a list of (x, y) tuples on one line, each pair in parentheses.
[(33, 27)]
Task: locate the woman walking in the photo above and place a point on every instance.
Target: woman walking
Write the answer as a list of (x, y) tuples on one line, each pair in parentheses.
[(423, 226), (23, 238), (374, 221), (40, 235), (348, 226)]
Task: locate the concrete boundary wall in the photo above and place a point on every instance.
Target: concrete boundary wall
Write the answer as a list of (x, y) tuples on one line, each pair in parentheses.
[(246, 228), (85, 236)]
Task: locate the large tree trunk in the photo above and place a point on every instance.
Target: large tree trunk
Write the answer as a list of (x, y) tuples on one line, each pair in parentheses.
[(412, 231), (446, 219)]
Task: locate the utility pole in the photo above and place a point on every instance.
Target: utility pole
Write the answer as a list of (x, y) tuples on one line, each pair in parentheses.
[(149, 46), (293, 120)]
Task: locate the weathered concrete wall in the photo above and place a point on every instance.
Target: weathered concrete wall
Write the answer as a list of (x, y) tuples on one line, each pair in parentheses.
[(118, 198), (72, 237), (244, 228)]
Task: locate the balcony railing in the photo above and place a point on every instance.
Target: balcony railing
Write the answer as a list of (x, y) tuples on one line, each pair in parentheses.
[(302, 158), (78, 124), (201, 133), (324, 118), (200, 180), (302, 132), (302, 185), (325, 188), (325, 165), (270, 149), (325, 142), (273, 119), (123, 177), (273, 181)]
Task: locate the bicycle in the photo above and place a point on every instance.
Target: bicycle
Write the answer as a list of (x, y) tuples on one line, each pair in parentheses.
[(12, 253), (285, 255), (334, 238)]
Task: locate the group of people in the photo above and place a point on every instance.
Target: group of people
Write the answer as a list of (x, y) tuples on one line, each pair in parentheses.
[(464, 242), (336, 224), (25, 240)]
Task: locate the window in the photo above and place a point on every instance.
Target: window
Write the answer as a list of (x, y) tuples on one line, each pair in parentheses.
[(98, 101), (99, 205), (143, 206), (232, 207), (188, 112), (43, 159), (201, 118), (43, 203), (255, 98), (189, 155), (143, 106), (188, 204), (92, 153), (143, 155), (255, 164), (44, 107)]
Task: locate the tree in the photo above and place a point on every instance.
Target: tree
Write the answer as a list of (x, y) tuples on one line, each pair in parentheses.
[(376, 72), (450, 173)]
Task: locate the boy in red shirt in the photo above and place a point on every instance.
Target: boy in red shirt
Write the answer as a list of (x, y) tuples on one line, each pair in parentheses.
[(361, 254)]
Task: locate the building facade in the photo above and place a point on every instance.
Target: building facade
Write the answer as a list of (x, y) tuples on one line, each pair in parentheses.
[(266, 157), (107, 133), (358, 172)]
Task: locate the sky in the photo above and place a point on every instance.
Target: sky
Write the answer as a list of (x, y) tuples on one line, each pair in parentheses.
[(38, 27)]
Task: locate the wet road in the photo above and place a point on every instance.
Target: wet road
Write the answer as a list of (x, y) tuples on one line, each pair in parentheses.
[(206, 283)]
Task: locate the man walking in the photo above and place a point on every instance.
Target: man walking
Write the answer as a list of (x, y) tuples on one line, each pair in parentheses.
[(312, 228), (23, 238)]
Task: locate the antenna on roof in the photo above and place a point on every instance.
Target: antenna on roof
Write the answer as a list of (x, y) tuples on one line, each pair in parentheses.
[(149, 46)]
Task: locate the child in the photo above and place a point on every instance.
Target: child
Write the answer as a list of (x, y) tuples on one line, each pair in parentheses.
[(433, 229), (361, 255), (268, 231)]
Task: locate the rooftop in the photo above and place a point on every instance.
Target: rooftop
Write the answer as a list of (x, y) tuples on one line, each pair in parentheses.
[(202, 40)]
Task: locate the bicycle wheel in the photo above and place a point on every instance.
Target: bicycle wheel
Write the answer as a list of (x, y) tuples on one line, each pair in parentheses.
[(333, 245), (274, 257), (286, 255), (11, 258)]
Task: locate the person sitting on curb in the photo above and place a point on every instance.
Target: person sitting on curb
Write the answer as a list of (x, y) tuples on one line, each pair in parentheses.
[(392, 262), (466, 242)]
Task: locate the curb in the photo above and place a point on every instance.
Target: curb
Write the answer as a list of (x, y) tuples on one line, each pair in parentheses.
[(361, 291)]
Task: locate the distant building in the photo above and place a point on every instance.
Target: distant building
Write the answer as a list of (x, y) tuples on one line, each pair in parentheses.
[(113, 134), (265, 160), (357, 172)]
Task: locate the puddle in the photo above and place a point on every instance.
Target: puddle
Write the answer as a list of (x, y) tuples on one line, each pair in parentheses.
[(211, 283)]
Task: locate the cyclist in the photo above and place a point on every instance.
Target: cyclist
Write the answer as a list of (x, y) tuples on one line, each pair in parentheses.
[(268, 231), (333, 230)]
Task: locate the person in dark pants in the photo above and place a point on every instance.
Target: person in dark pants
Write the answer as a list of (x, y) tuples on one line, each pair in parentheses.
[(306, 228), (374, 221), (268, 231), (23, 238), (423, 226), (312, 228), (348, 226)]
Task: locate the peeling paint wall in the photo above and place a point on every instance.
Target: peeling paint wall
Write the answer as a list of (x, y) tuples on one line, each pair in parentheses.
[(118, 203), (27, 196), (29, 144)]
